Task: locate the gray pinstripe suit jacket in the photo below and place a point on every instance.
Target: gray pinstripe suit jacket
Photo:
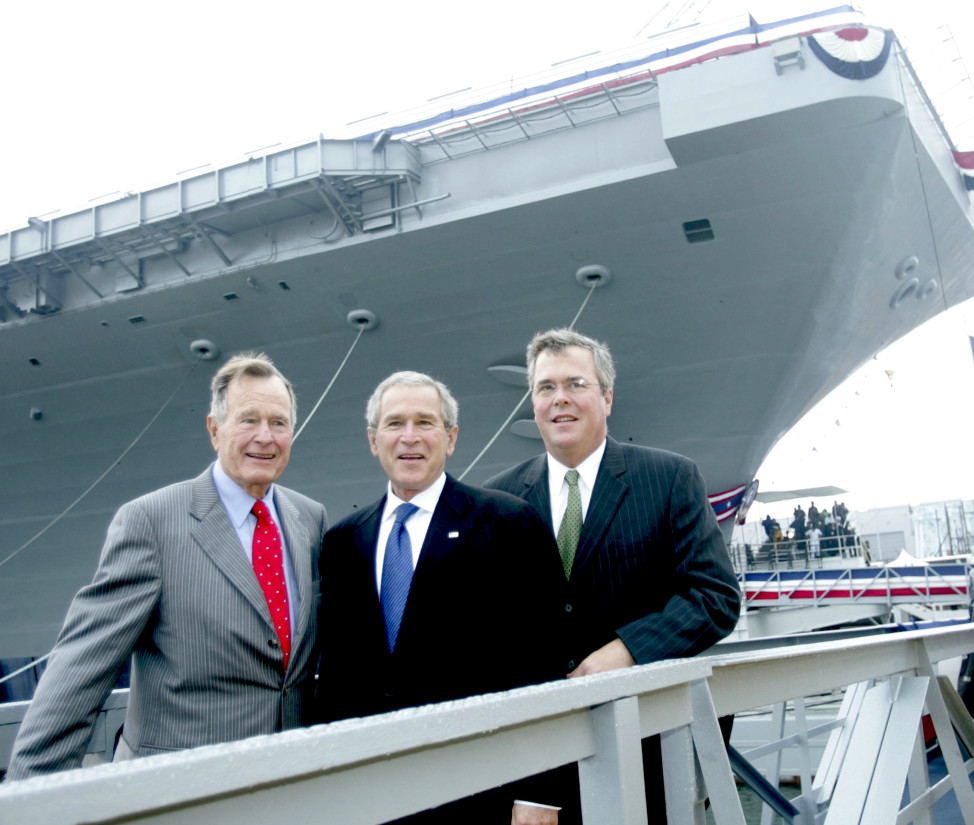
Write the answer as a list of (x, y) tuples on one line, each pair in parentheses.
[(174, 589), (651, 566)]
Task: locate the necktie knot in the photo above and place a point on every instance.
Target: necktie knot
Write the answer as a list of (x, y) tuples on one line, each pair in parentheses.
[(403, 512), (572, 478), (260, 510)]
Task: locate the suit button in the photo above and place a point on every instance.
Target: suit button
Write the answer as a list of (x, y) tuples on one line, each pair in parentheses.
[(568, 608), (273, 643), (571, 664)]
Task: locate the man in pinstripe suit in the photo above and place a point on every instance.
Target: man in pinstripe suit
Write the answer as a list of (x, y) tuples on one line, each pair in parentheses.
[(650, 577), (175, 589)]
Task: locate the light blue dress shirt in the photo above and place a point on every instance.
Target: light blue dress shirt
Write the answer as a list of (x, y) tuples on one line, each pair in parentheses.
[(238, 503)]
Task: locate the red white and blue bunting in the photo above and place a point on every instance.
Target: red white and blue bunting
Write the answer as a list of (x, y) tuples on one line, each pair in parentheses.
[(725, 504), (965, 162), (855, 52)]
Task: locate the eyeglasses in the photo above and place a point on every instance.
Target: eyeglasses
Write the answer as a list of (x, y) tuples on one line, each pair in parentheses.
[(576, 387)]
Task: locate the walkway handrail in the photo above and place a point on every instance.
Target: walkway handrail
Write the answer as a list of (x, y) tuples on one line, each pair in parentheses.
[(433, 754), (741, 681)]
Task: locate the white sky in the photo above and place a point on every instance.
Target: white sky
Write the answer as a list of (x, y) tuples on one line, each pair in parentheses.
[(109, 96)]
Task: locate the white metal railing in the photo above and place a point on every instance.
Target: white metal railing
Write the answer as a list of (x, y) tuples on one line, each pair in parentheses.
[(433, 754)]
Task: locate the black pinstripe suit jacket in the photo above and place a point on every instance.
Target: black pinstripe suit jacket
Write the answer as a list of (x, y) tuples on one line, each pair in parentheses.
[(651, 565), (175, 589)]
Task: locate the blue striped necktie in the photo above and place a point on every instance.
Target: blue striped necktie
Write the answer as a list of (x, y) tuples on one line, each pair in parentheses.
[(397, 573)]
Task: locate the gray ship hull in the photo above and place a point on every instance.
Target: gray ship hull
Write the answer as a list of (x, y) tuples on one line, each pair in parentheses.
[(838, 217)]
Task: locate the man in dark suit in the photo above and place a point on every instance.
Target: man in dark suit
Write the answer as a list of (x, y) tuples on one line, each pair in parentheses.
[(179, 588), (648, 574), (438, 590)]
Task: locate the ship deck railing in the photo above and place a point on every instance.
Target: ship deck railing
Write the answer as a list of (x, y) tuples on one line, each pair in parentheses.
[(375, 769), (788, 575), (844, 550)]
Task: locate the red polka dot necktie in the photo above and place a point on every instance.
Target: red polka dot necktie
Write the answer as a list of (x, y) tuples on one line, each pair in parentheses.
[(269, 567)]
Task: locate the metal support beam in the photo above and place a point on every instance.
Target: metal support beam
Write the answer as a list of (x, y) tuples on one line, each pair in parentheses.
[(712, 756), (611, 781), (778, 731), (205, 235), (680, 778), (918, 779), (670, 714), (946, 736), (169, 254), (76, 273), (135, 275), (754, 779)]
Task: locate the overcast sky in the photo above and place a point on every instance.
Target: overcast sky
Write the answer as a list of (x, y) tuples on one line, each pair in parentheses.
[(108, 97)]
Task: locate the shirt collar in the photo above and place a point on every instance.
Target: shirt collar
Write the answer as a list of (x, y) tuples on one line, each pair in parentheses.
[(587, 470), (425, 500), (237, 501)]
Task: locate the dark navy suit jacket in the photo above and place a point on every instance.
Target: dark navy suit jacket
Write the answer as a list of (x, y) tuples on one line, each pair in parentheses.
[(651, 566), (483, 612), (483, 615)]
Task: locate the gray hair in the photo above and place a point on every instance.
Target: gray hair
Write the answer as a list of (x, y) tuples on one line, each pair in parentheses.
[(558, 340), (448, 404), (254, 364)]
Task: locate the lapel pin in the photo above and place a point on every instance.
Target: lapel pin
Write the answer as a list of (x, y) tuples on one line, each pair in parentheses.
[(453, 534)]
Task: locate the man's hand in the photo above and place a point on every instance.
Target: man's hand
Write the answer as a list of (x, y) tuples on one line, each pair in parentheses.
[(523, 814), (613, 656)]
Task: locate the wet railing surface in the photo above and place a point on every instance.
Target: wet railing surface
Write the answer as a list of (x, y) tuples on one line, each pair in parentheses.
[(427, 756)]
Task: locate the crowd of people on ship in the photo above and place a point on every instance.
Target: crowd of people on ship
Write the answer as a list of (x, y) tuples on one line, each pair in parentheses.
[(819, 532)]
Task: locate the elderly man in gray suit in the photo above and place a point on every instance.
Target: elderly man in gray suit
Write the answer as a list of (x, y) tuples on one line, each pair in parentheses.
[(648, 575), (211, 585)]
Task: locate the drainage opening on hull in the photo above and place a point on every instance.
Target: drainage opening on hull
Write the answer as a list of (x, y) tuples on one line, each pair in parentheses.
[(204, 349)]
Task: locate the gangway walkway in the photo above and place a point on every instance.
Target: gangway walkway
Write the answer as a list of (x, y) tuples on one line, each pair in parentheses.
[(430, 755), (926, 584)]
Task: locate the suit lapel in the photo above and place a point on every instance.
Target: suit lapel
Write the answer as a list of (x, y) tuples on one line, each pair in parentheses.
[(448, 525), (356, 545), (610, 489), (367, 535), (297, 538), (536, 491), (447, 531), (217, 538)]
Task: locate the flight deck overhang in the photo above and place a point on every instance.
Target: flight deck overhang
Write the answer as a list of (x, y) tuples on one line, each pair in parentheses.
[(358, 186)]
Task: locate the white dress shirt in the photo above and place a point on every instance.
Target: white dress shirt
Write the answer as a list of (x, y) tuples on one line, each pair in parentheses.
[(558, 487), (416, 525)]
